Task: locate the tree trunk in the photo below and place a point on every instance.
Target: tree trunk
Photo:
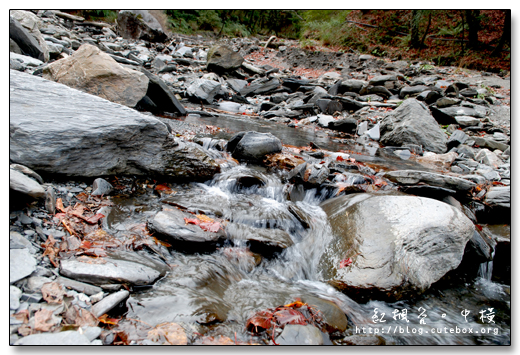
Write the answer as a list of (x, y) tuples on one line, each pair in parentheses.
[(414, 29), (427, 30), (474, 27), (506, 35)]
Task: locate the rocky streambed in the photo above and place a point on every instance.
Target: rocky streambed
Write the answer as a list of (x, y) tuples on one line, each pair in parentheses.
[(185, 192)]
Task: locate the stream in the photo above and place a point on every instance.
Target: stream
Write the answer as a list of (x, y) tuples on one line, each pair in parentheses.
[(215, 293)]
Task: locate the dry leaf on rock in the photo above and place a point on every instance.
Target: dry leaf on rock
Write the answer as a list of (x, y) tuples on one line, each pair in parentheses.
[(52, 292), (43, 320)]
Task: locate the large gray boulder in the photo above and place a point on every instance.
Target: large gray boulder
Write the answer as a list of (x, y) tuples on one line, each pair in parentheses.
[(95, 72), (398, 245), (139, 24), (412, 123), (32, 23), (56, 129), (222, 58), (253, 145), (414, 177)]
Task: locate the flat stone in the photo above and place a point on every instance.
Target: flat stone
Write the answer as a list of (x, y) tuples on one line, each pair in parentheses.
[(21, 264), (413, 177), (61, 338), (24, 184), (109, 302), (467, 121), (499, 196), (79, 286), (295, 334), (18, 241)]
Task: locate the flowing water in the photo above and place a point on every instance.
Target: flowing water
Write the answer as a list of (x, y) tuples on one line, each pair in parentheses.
[(215, 293)]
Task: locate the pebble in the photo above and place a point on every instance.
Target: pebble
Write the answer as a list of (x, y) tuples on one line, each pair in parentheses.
[(14, 297)]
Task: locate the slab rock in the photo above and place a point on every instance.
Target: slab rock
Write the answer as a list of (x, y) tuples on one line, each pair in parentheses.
[(399, 245), (57, 129), (95, 72), (412, 123), (62, 338), (413, 177), (24, 184), (21, 264), (120, 267)]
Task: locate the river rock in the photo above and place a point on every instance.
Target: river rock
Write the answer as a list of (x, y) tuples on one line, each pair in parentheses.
[(412, 90), (295, 334), (222, 58), (109, 302), (458, 137), (138, 270), (467, 121), (17, 241), (455, 111), (413, 177), (21, 264), (79, 286), (203, 90), (139, 24), (489, 143), (161, 95), (351, 85), (347, 125), (398, 245), (499, 196), (56, 129), (253, 145), (485, 156), (171, 224), (61, 338), (95, 72), (14, 297), (27, 43), (412, 123), (101, 187), (24, 184), (263, 87), (334, 318)]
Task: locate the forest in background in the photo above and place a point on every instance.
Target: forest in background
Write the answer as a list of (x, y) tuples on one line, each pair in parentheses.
[(474, 39)]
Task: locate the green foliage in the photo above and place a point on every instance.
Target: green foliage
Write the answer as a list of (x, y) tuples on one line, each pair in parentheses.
[(100, 15), (326, 26)]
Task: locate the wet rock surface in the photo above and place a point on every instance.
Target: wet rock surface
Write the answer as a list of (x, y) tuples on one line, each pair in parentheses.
[(402, 253)]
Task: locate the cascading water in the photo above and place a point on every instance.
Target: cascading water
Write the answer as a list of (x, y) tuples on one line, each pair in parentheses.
[(230, 285)]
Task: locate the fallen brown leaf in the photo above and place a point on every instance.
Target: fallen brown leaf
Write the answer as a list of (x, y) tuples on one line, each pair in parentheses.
[(52, 292), (169, 334)]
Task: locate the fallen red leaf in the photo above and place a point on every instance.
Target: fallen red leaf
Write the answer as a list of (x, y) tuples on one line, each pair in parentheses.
[(191, 221), (162, 187), (345, 263), (340, 158), (260, 322), (290, 316), (210, 226), (94, 219)]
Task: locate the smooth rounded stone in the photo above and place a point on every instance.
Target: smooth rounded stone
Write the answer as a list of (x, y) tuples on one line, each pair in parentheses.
[(79, 286), (95, 72), (34, 283), (101, 187), (467, 121), (334, 318), (77, 134), (230, 106), (468, 92), (363, 57), (18, 241), (412, 90), (140, 24), (21, 264), (253, 145), (381, 79), (399, 245), (112, 270), (499, 196), (62, 338), (14, 297), (412, 123), (109, 302), (413, 177), (16, 65), (222, 58), (260, 238), (351, 85), (295, 334), (171, 223), (24, 184), (446, 102)]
